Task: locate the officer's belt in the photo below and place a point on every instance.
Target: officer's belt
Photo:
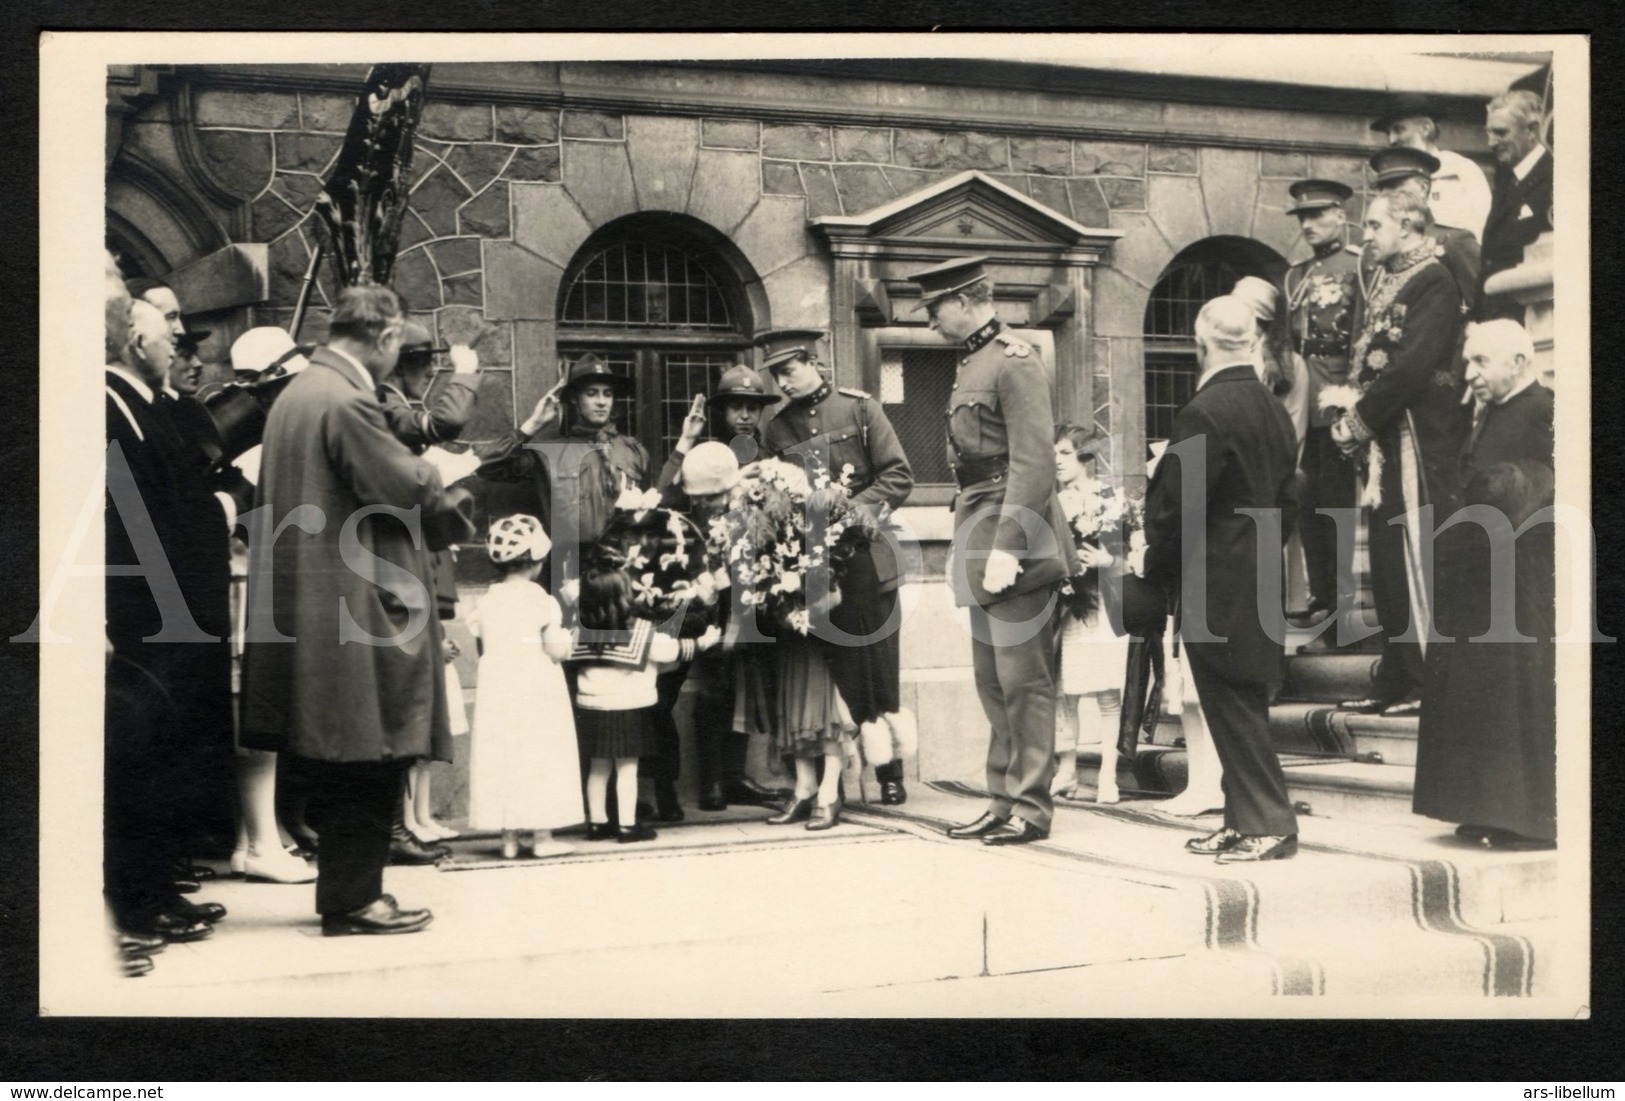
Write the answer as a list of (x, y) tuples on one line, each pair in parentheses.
[(981, 470)]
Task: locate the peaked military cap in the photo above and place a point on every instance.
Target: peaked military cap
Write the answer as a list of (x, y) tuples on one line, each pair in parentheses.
[(781, 345), (742, 383), (589, 368), (417, 344), (948, 277), (1398, 162), (1405, 105), (1318, 195)]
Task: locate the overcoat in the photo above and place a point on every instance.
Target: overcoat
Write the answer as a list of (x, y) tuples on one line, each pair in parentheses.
[(336, 574)]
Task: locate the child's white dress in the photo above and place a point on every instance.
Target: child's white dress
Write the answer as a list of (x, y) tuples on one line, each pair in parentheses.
[(525, 772)]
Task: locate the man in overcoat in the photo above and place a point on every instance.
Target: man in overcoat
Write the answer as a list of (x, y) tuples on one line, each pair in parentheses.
[(1233, 449), (342, 669), (1007, 553)]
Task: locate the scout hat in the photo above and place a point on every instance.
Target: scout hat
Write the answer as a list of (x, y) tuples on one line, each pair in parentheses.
[(417, 345), (742, 383), (948, 277), (1399, 162), (1257, 293), (1317, 195), (1405, 105), (782, 345), (589, 368)]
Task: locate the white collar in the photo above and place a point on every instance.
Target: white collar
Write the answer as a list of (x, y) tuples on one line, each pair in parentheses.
[(367, 381), (172, 392), (1207, 375), (140, 386), (1527, 165)]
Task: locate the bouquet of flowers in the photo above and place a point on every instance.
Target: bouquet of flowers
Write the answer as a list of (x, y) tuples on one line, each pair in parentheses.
[(1341, 399), (786, 540), (1101, 516), (664, 555)]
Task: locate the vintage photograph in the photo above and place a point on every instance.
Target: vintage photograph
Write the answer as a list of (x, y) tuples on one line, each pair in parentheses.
[(817, 526)]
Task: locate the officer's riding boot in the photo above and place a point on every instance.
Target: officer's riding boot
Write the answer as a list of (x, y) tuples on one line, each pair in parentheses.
[(890, 777)]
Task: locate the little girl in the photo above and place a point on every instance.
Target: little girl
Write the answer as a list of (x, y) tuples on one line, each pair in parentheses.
[(620, 656), (1093, 656), (525, 772)]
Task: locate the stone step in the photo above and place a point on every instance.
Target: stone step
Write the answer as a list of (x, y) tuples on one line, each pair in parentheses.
[(1315, 729), (1328, 676)]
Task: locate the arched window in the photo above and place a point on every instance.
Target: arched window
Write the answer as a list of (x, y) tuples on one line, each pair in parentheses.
[(657, 301), (1205, 270)]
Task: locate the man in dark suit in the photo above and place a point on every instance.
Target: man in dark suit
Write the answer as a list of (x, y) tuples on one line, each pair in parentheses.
[(343, 669), (1521, 204), (1007, 554), (1233, 448)]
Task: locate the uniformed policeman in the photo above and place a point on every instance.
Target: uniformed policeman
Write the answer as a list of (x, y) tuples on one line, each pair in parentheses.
[(1322, 295), (847, 434), (579, 465), (1401, 168), (1007, 555)]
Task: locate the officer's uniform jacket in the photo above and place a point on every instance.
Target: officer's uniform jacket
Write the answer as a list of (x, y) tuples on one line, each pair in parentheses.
[(862, 448), (1323, 302), (1001, 444)]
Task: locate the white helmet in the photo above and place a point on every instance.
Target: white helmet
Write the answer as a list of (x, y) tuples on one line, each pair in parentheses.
[(513, 538), (710, 468), (266, 347)]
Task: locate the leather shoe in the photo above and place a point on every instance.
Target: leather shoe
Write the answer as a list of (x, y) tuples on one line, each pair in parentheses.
[(1370, 705), (131, 945), (210, 912), (406, 849), (186, 886), (892, 793), (136, 966), (745, 792), (712, 798), (667, 808), (1304, 620), (381, 917), (1252, 849), (983, 825), (177, 928), (1017, 831), (600, 831), (798, 811), (1216, 842), (825, 818), (1403, 709), (626, 835)]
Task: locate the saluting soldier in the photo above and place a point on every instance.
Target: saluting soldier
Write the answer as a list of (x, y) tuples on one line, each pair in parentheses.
[(1322, 295), (1008, 557), (848, 434), (1401, 168)]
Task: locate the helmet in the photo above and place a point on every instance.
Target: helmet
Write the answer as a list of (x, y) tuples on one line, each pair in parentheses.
[(259, 350), (515, 538), (710, 468), (742, 383)]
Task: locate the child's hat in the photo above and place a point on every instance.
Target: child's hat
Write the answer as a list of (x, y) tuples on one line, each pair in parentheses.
[(513, 538)]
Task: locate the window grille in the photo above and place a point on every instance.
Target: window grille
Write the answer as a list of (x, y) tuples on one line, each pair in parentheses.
[(630, 285)]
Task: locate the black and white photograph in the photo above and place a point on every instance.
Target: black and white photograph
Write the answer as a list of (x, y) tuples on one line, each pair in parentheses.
[(816, 526)]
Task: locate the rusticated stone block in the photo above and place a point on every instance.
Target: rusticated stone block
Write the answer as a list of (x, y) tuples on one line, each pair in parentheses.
[(518, 283), (593, 124), (1178, 160), (539, 162), (436, 200), (520, 125), (306, 152), (731, 134), (863, 143), (1041, 156), (1052, 193), (456, 121), (1108, 158), (599, 178), (905, 180), (273, 216), (1293, 166), (726, 185), (796, 142), (300, 190), (462, 290), (288, 259), (1123, 194), (413, 230), (246, 110), (477, 165), (957, 149), (662, 152), (863, 187), (1230, 189), (780, 178), (487, 213), (459, 325), (1349, 170), (416, 280), (318, 111), (822, 197), (1088, 204), (493, 413), (239, 160), (456, 255)]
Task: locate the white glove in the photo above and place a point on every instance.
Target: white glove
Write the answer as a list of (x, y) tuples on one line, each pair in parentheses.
[(1001, 571), (452, 466), (464, 360), (712, 636)]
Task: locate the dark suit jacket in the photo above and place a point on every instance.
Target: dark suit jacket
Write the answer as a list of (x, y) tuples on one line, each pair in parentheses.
[(1250, 450), (1506, 232)]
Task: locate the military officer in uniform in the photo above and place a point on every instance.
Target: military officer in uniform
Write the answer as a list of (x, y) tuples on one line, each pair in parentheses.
[(1401, 168), (847, 433), (1322, 296), (1007, 555)]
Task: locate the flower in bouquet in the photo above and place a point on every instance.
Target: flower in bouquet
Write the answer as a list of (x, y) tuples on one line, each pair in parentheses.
[(1098, 514)]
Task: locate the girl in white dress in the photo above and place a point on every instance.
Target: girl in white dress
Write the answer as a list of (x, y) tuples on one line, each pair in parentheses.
[(525, 772)]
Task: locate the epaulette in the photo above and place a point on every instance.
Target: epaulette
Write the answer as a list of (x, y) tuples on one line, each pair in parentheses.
[(851, 393), (1012, 346)]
